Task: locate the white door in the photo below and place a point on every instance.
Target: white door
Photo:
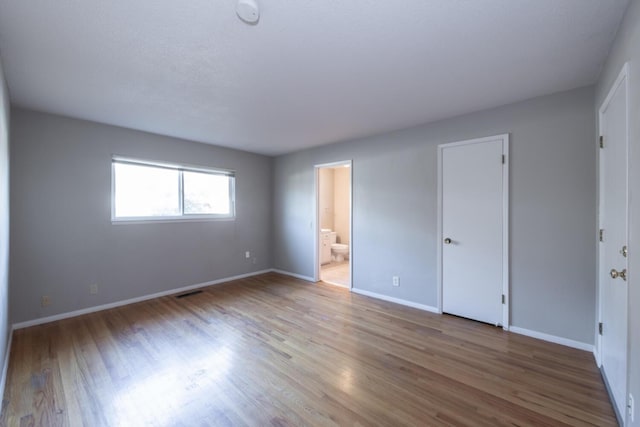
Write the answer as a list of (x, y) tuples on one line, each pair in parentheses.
[(474, 207), (613, 223)]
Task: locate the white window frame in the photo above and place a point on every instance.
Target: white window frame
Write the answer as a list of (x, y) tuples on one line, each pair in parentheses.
[(231, 174)]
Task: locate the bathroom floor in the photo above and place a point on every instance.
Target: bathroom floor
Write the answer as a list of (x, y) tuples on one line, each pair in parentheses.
[(336, 273)]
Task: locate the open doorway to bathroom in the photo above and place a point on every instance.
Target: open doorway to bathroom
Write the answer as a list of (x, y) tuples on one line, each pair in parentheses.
[(333, 223)]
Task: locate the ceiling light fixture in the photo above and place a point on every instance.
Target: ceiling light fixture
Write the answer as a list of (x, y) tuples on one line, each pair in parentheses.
[(248, 11)]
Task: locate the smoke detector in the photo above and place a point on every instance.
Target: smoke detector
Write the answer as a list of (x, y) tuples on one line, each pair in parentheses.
[(248, 11)]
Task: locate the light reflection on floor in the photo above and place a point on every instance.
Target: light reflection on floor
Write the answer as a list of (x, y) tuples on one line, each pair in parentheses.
[(163, 396), (346, 379)]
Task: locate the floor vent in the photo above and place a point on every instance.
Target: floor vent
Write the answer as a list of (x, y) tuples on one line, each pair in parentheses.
[(188, 294)]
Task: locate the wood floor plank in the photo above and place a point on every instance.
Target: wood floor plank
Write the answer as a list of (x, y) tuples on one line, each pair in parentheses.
[(271, 350)]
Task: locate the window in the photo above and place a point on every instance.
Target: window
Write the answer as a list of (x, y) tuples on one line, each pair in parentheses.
[(145, 191)]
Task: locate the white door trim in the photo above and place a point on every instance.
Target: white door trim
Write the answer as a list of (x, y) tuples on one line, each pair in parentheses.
[(505, 225), (316, 227)]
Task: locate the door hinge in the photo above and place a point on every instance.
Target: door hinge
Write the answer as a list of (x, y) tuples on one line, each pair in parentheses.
[(504, 159), (601, 141), (600, 328), (504, 300), (602, 234)]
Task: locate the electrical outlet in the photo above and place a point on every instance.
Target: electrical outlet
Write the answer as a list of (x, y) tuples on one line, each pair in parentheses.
[(255, 260), (247, 254), (45, 301), (93, 288), (631, 408), (395, 281)]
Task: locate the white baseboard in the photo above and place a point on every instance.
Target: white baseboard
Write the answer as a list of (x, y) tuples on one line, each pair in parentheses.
[(396, 300), (75, 313), (5, 365), (552, 338), (297, 276)]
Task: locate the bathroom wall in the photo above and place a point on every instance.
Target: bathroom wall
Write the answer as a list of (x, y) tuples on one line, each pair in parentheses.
[(341, 178), (552, 209), (325, 184), (62, 237)]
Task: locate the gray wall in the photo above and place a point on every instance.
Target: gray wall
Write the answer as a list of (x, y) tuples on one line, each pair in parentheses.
[(4, 219), (552, 208), (627, 48), (62, 239)]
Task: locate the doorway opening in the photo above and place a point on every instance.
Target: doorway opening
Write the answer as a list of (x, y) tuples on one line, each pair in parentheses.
[(334, 252)]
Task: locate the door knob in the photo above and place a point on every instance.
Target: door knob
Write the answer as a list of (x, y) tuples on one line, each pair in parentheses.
[(621, 274), (447, 241)]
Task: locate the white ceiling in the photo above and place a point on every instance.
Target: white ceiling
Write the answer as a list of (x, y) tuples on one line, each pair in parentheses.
[(311, 72)]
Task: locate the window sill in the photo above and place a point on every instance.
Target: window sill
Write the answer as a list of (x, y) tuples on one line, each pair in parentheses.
[(165, 220)]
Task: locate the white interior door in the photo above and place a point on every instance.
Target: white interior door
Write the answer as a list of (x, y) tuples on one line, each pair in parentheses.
[(474, 208), (613, 198)]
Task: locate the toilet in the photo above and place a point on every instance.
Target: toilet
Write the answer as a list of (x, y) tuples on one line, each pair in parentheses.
[(330, 249), (339, 251)]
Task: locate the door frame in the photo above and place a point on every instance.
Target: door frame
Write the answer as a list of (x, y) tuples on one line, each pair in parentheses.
[(623, 78), (505, 215), (316, 208)]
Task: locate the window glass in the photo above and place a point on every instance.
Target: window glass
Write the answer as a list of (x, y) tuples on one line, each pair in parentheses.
[(206, 193), (146, 191)]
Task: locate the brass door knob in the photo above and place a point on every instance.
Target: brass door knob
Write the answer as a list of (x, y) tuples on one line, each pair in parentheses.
[(621, 274), (447, 241)]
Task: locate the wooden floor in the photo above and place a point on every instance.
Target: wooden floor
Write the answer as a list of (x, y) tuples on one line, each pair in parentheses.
[(272, 350)]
